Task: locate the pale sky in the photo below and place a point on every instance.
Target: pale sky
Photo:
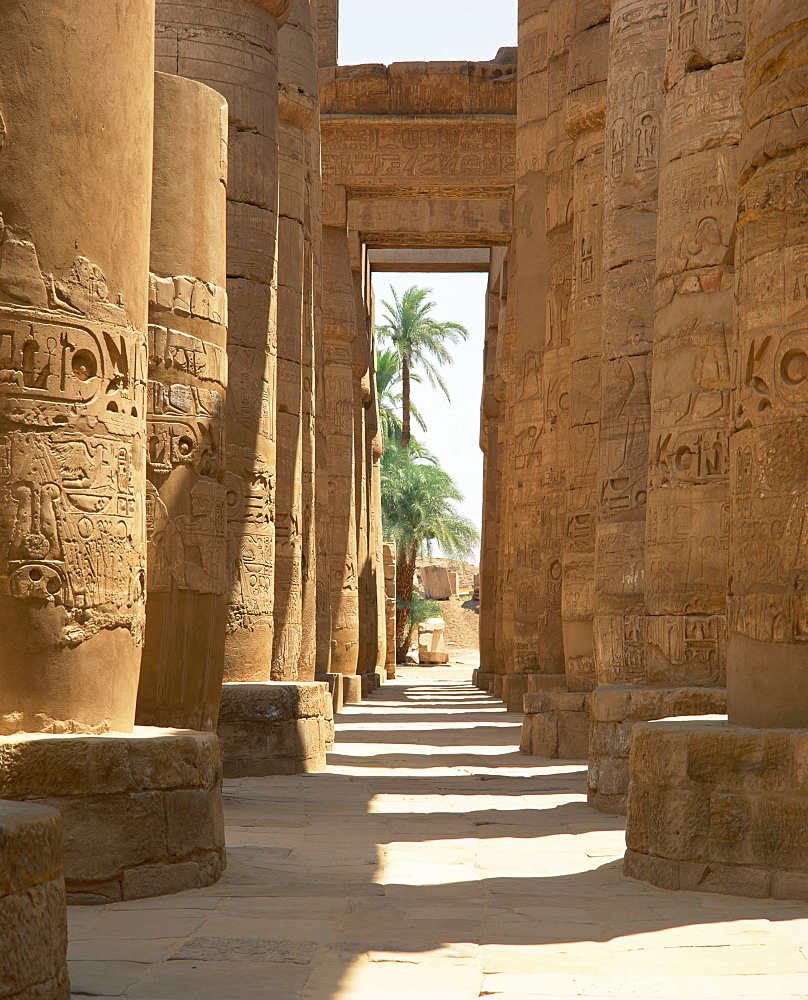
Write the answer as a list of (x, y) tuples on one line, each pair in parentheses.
[(386, 31)]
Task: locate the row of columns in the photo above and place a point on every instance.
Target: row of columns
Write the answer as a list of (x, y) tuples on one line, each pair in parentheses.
[(642, 432), (184, 503)]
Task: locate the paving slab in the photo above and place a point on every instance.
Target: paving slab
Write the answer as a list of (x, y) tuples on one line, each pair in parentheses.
[(433, 861)]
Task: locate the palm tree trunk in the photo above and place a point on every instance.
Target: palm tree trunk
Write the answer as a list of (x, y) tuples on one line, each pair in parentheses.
[(405, 574), (405, 396)]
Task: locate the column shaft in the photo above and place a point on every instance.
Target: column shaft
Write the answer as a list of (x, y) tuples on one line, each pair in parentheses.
[(76, 102)]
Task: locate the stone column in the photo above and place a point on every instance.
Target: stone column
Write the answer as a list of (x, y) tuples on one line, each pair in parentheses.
[(328, 18), (339, 315), (556, 724), (768, 608), (234, 47), (493, 533), (75, 176), (530, 650), (311, 374), (362, 469), (737, 788), (586, 119), (298, 104), (505, 598), (183, 657), (74, 244), (682, 670), (389, 555)]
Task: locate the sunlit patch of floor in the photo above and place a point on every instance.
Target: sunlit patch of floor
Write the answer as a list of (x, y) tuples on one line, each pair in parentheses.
[(433, 861)]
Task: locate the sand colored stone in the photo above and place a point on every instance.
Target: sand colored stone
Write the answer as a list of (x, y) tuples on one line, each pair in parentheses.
[(183, 657), (298, 109), (275, 728), (435, 861), (33, 908), (234, 48), (339, 333), (636, 47), (435, 582), (766, 654), (73, 306), (141, 812)]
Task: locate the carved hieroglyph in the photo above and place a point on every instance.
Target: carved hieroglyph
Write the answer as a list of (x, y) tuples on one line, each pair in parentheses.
[(298, 104), (73, 302), (311, 374), (491, 414), (232, 46), (585, 121), (635, 95), (183, 657), (529, 612), (767, 657), (687, 521), (339, 313)]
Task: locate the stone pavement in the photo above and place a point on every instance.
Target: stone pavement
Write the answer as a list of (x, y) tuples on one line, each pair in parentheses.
[(433, 862)]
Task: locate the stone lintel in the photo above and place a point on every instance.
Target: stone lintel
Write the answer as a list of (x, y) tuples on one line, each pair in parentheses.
[(429, 259)]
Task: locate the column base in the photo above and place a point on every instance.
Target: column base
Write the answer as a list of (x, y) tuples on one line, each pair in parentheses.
[(514, 689), (484, 679), (33, 909), (334, 682), (276, 727), (352, 689), (498, 685), (615, 709), (556, 724), (141, 811), (718, 808)]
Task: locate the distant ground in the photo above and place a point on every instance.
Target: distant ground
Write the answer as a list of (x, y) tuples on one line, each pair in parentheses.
[(462, 623)]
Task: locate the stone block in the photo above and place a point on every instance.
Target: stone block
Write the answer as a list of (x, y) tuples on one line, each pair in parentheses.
[(352, 690), (514, 687), (160, 880), (698, 795), (544, 735), (436, 583), (166, 813), (194, 821), (573, 735), (525, 735), (789, 885), (33, 913), (276, 728)]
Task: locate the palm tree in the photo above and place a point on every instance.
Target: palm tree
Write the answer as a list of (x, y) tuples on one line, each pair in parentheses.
[(420, 342), (388, 381), (417, 512)]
